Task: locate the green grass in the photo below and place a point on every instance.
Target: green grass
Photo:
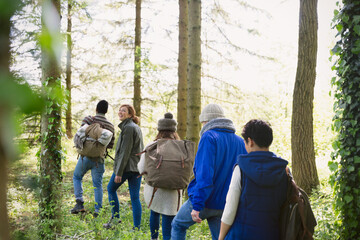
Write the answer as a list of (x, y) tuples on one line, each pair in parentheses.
[(23, 205), (322, 202)]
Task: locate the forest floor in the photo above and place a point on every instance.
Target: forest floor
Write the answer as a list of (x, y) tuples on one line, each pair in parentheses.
[(24, 218)]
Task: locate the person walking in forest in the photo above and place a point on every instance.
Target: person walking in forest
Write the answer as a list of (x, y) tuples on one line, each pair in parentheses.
[(217, 151), (129, 143), (165, 201), (257, 190), (96, 165)]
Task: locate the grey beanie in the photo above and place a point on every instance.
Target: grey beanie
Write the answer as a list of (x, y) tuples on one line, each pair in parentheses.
[(167, 123), (211, 111)]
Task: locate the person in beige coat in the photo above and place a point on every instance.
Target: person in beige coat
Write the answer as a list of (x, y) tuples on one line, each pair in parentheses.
[(165, 201)]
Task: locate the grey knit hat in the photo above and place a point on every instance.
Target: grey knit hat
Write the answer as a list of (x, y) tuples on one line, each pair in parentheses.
[(211, 111), (167, 123)]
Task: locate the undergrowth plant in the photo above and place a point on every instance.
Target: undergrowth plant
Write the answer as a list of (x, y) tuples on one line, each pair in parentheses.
[(321, 203), (346, 154)]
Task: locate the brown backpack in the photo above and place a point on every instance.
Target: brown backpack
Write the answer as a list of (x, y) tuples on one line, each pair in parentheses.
[(87, 144), (168, 164), (297, 220)]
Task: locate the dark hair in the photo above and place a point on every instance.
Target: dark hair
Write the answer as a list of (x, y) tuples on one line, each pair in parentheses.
[(259, 131), (102, 106), (167, 134), (132, 112)]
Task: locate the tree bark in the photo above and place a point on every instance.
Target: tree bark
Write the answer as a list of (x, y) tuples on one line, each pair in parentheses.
[(194, 74), (137, 61), (182, 68), (4, 219), (5, 111), (50, 156), (302, 140), (68, 72)]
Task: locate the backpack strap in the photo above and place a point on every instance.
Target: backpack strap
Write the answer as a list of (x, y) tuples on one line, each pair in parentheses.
[(160, 161), (108, 155), (152, 197), (138, 154), (141, 174), (93, 121), (178, 206)]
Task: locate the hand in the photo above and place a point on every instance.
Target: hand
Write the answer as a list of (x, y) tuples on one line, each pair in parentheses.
[(117, 179), (195, 216)]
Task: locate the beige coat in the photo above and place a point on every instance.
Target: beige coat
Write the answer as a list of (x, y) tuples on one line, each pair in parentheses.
[(165, 201)]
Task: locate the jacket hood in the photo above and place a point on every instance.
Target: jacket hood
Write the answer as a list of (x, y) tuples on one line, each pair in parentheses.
[(223, 123), (263, 168)]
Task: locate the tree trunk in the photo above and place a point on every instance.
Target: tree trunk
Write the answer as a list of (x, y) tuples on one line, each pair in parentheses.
[(302, 141), (5, 142), (194, 74), (182, 68), (137, 61), (4, 227), (68, 73), (50, 157)]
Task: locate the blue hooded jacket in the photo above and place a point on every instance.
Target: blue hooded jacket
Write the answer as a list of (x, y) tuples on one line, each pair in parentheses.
[(218, 149), (263, 191)]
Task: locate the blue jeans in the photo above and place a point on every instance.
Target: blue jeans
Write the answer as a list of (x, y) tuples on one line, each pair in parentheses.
[(183, 221), (83, 165), (134, 188), (155, 223)]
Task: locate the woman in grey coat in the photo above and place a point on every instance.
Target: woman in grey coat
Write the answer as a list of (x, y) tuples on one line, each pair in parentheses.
[(129, 143)]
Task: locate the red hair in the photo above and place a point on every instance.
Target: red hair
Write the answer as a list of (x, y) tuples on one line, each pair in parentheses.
[(132, 112)]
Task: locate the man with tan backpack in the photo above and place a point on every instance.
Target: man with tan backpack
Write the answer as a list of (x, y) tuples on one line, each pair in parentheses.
[(92, 140)]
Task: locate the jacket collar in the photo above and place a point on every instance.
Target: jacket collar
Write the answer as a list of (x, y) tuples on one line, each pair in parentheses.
[(124, 123), (100, 114), (222, 123)]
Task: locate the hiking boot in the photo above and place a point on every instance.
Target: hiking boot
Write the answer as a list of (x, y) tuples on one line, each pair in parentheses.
[(134, 229), (79, 207), (112, 222)]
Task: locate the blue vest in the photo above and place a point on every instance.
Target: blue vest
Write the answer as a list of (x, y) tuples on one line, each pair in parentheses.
[(258, 213)]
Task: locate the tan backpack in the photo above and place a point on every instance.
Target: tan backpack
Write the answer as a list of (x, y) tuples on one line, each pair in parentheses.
[(90, 144), (168, 164)]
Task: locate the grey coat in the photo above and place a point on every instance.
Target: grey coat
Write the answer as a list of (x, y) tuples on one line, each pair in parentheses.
[(130, 142)]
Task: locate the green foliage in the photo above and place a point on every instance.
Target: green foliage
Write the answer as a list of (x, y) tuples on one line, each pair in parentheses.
[(137, 70), (51, 155), (321, 202), (7, 8), (16, 95), (23, 211), (345, 164)]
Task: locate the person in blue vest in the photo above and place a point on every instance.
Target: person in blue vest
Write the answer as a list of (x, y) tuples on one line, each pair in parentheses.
[(218, 149), (257, 189)]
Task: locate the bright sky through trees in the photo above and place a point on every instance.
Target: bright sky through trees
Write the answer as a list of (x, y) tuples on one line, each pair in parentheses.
[(276, 22)]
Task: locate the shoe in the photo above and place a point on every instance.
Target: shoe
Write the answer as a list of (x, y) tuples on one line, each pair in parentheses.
[(79, 207), (134, 229), (110, 224)]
